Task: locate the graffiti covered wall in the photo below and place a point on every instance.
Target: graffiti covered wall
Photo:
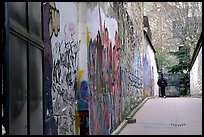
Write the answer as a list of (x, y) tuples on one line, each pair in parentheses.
[(94, 64), (131, 38), (61, 66), (104, 72), (150, 70)]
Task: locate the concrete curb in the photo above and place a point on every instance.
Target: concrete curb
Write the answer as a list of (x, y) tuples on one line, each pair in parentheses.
[(120, 127), (132, 113)]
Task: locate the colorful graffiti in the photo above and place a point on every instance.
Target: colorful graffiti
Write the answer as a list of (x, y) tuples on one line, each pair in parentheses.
[(83, 108), (105, 81), (147, 76), (152, 82), (149, 73), (76, 104)]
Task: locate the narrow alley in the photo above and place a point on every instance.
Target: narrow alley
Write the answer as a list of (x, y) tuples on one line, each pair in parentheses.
[(83, 68)]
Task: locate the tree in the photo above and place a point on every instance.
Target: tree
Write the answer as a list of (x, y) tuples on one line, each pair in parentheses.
[(182, 68), (161, 59)]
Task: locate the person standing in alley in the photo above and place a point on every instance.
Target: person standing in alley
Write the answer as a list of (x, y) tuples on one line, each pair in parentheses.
[(162, 83)]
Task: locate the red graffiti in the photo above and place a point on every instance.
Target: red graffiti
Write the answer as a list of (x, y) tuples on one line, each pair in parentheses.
[(106, 38), (104, 77), (83, 115)]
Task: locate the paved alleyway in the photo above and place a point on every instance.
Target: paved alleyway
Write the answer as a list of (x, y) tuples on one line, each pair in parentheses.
[(170, 116)]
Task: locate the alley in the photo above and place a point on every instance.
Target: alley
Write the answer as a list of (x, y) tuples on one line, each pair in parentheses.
[(83, 68), (170, 116)]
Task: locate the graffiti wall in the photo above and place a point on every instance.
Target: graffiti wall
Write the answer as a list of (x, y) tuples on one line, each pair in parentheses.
[(104, 72), (150, 70), (61, 66), (94, 67)]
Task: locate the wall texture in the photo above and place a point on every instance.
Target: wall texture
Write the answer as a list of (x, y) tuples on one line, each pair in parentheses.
[(196, 76), (195, 69), (150, 70), (95, 62), (131, 37)]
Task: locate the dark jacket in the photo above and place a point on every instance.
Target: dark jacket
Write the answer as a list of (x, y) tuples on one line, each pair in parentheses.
[(162, 82)]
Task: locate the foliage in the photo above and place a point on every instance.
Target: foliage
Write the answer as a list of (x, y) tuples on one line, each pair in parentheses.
[(161, 58), (182, 68)]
